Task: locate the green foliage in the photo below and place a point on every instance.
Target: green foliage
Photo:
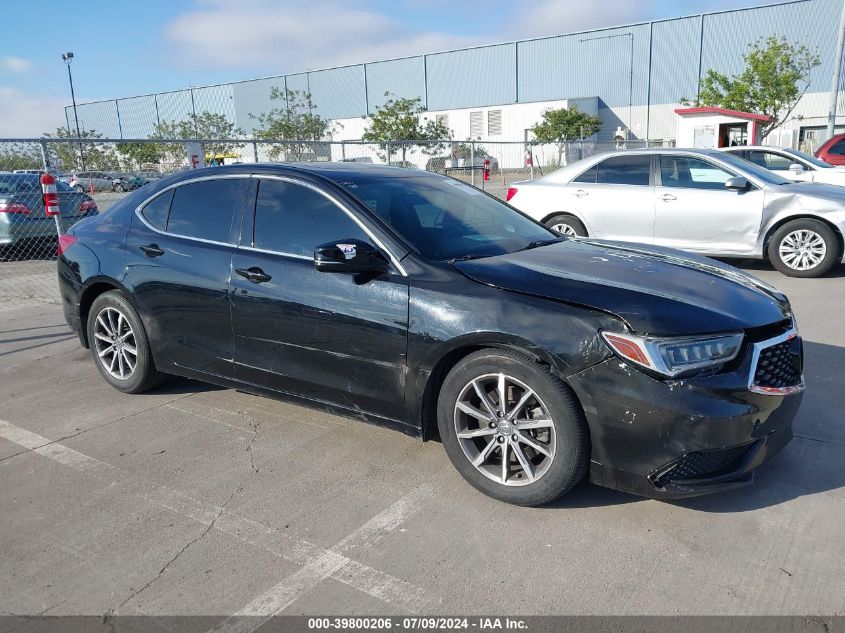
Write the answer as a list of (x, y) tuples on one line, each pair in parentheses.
[(294, 124), (139, 155), (563, 125), (75, 152), (776, 76), (398, 121), (205, 125), (20, 156)]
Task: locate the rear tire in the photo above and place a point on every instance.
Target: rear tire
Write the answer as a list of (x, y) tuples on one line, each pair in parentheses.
[(804, 248), (543, 434), (79, 189), (119, 344), (566, 224)]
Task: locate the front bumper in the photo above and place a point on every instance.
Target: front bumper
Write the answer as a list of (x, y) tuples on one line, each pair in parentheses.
[(680, 438)]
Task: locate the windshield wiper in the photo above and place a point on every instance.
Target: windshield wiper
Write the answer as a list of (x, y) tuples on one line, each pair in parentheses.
[(467, 257), (538, 243)]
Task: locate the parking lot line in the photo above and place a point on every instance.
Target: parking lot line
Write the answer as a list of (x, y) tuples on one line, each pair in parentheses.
[(318, 563)]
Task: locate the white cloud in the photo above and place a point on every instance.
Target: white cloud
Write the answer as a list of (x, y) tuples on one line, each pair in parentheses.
[(23, 115), (290, 37), (15, 64), (555, 17)]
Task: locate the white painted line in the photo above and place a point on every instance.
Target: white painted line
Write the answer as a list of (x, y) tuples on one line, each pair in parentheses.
[(317, 563), (328, 563)]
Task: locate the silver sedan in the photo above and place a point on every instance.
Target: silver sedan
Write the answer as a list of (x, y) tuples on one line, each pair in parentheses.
[(704, 201)]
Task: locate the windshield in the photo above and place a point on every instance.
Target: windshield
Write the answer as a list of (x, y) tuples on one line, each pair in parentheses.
[(760, 173), (446, 219), (817, 162)]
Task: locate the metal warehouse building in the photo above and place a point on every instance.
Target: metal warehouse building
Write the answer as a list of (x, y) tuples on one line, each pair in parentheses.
[(633, 76)]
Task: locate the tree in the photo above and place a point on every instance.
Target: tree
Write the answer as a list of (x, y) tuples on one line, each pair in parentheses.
[(399, 121), (563, 125), (94, 155), (216, 132), (776, 76), (295, 124), (141, 154), (20, 156)]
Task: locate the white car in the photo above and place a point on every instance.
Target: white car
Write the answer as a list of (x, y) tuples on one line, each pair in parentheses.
[(703, 201), (791, 164)]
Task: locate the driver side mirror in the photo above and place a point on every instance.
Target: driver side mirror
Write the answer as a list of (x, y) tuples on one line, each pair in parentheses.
[(737, 184), (349, 256), (795, 168)]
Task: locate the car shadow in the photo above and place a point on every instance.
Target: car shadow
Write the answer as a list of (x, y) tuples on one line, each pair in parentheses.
[(753, 265), (177, 386), (810, 464)]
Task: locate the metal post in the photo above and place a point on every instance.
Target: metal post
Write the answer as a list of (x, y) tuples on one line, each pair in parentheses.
[(119, 124), (472, 162), (531, 164), (255, 150), (194, 110), (342, 150), (837, 70), (387, 144), (67, 57), (44, 160)]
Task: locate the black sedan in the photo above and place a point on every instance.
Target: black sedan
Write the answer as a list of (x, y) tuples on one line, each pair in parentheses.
[(415, 301)]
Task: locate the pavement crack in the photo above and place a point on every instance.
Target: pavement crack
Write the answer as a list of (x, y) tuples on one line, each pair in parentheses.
[(108, 616), (256, 427)]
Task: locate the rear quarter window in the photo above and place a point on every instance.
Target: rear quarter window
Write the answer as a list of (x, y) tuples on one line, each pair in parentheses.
[(157, 210)]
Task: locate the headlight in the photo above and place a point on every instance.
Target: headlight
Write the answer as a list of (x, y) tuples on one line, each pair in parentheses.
[(675, 356)]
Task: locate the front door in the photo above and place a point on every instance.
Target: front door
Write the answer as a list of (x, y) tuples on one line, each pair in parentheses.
[(615, 197), (178, 256), (695, 212), (333, 337)]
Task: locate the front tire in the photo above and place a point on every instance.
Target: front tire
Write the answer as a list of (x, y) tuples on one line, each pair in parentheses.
[(804, 248), (566, 224), (119, 344), (511, 428)]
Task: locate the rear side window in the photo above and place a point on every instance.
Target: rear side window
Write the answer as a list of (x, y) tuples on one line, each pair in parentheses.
[(624, 170), (156, 210), (770, 160), (838, 147), (293, 219), (204, 209), (587, 176)]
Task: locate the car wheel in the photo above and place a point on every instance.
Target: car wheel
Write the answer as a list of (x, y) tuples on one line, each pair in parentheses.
[(119, 344), (566, 225), (79, 189), (804, 248), (511, 428), (119, 188)]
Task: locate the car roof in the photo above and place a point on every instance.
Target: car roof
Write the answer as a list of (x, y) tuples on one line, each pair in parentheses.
[(329, 170), (769, 148)]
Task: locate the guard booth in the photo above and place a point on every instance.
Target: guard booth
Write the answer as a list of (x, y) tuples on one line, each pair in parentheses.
[(708, 128)]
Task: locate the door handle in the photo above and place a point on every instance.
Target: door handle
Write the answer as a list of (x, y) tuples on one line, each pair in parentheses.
[(151, 250), (580, 193), (254, 274), (668, 197)]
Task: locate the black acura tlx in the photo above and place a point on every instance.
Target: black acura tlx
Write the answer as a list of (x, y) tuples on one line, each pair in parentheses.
[(431, 307)]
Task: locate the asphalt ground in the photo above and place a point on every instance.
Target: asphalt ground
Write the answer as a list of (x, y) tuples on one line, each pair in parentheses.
[(197, 500)]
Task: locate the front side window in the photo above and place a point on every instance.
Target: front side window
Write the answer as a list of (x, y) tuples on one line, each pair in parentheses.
[(692, 173), (204, 209), (293, 219), (771, 160), (624, 170)]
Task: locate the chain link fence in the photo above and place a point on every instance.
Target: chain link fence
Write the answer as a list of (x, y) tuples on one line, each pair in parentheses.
[(92, 174)]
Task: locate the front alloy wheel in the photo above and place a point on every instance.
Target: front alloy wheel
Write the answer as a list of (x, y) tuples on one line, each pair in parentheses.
[(505, 430), (512, 428), (804, 248)]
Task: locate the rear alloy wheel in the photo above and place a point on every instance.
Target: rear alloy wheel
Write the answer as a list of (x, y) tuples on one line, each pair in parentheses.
[(511, 428), (804, 248), (119, 344), (79, 189), (566, 225)]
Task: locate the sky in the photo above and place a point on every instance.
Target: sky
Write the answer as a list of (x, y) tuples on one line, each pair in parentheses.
[(130, 48)]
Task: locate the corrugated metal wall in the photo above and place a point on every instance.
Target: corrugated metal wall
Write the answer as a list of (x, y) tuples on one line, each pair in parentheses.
[(667, 57)]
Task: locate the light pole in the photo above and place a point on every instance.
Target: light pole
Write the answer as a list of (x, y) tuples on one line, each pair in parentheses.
[(67, 58)]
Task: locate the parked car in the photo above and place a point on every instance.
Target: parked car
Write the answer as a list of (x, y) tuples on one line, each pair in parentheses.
[(358, 159), (149, 174), (833, 150), (126, 182), (22, 217), (91, 180), (791, 164), (439, 164), (421, 303), (704, 201)]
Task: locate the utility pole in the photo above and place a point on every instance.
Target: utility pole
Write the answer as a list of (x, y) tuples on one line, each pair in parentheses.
[(837, 70), (67, 58)]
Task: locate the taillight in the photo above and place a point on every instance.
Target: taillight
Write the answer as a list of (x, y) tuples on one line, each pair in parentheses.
[(14, 207), (65, 242), (511, 193), (88, 205)]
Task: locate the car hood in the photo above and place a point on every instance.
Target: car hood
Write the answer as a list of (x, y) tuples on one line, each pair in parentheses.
[(654, 290)]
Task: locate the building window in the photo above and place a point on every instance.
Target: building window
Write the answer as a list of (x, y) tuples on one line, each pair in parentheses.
[(442, 119), (494, 123), (476, 124)]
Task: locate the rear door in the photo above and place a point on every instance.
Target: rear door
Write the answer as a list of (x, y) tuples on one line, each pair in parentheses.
[(179, 254), (694, 210), (616, 198), (333, 337)]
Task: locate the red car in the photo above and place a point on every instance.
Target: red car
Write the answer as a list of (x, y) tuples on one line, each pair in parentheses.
[(833, 150)]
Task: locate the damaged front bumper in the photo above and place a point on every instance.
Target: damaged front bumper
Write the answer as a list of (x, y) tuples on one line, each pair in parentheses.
[(680, 438)]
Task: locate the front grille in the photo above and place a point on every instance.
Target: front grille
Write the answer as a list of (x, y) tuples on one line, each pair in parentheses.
[(779, 366), (703, 465)]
